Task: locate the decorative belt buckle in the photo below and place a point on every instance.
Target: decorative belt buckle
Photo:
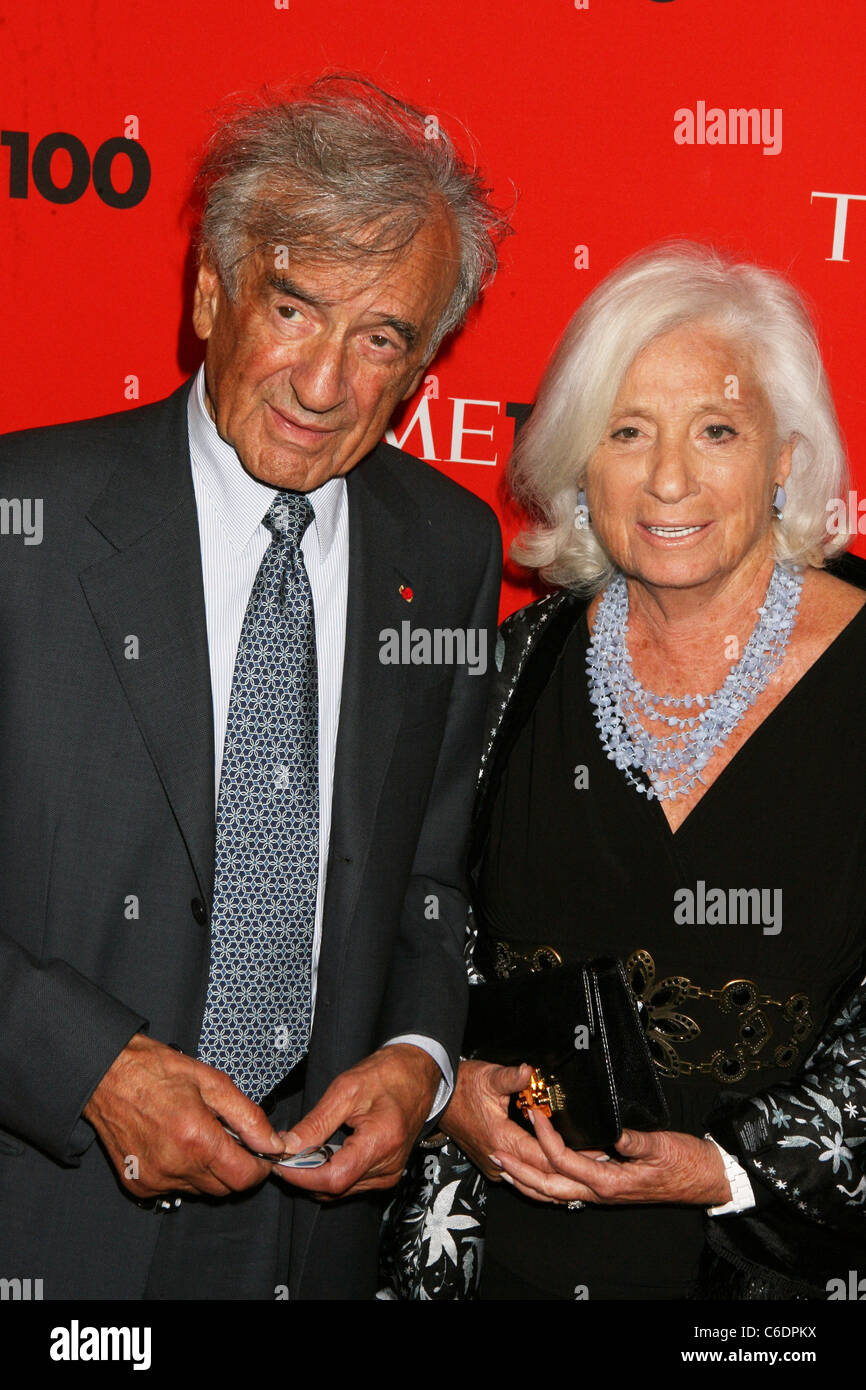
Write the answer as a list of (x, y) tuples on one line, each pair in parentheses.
[(540, 1094)]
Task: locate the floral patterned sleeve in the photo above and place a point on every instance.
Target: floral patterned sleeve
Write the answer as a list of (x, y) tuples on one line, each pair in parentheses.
[(806, 1141)]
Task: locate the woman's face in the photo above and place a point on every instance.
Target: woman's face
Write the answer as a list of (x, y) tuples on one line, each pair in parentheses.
[(680, 488)]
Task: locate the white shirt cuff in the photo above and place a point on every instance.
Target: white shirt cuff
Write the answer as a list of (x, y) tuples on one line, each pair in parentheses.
[(742, 1195), (440, 1057)]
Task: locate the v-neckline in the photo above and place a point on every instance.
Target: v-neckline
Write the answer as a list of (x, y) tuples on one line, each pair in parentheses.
[(673, 836)]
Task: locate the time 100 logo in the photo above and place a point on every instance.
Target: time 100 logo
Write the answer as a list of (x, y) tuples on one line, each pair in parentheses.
[(22, 167)]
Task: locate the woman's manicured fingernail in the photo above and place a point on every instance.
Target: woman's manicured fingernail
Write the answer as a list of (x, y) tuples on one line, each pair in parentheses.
[(506, 1177), (495, 1161), (531, 1114)]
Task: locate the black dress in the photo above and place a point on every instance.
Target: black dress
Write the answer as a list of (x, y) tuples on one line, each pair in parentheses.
[(577, 859)]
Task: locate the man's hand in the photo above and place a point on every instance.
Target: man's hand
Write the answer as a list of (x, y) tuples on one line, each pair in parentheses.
[(477, 1117), (156, 1111), (384, 1100)]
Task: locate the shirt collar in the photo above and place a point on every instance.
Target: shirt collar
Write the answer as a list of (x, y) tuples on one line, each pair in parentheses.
[(240, 500)]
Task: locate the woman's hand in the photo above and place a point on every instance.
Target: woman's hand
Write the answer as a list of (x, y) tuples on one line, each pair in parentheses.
[(659, 1166), (477, 1118)]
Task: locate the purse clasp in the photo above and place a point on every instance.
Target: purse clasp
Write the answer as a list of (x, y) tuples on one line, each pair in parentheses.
[(541, 1094)]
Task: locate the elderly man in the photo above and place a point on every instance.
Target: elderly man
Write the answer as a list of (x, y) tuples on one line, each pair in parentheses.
[(232, 872)]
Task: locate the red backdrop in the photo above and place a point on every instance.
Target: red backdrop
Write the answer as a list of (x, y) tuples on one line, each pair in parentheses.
[(573, 106)]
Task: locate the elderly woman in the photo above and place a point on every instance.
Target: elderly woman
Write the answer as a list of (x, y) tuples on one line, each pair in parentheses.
[(681, 722)]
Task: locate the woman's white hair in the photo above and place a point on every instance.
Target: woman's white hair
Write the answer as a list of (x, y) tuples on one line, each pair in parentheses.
[(656, 291)]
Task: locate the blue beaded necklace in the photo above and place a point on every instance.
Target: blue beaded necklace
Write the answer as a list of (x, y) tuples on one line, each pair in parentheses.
[(674, 760)]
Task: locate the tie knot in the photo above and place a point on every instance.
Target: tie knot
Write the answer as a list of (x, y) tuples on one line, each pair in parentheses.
[(288, 516)]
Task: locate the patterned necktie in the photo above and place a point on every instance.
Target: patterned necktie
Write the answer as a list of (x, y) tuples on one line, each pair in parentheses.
[(257, 1015)]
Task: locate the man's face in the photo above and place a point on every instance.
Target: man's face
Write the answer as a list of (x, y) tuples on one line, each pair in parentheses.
[(305, 369)]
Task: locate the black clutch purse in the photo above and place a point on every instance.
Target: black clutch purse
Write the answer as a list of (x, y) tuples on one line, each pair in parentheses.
[(579, 1027)]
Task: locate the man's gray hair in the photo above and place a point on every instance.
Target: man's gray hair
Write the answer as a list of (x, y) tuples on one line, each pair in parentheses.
[(656, 291), (341, 171)]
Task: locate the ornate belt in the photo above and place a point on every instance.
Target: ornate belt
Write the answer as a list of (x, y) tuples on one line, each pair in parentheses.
[(769, 1033)]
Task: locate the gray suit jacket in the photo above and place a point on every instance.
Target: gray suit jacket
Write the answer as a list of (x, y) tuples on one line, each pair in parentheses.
[(106, 796)]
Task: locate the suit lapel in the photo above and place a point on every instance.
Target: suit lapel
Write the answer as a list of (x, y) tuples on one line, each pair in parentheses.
[(150, 591)]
